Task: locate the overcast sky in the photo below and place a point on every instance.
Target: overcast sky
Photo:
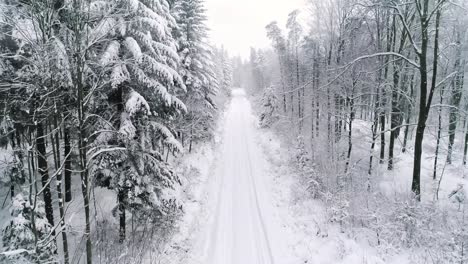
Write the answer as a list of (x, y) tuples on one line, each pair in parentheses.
[(240, 24)]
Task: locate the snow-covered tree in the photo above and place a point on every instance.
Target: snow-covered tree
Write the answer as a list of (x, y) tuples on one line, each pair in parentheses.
[(270, 108), (145, 184), (223, 69), (227, 74), (197, 69), (279, 44), (142, 63), (14, 174), (27, 237)]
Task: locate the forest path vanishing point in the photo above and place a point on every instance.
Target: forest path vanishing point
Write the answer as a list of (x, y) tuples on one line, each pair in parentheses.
[(243, 226)]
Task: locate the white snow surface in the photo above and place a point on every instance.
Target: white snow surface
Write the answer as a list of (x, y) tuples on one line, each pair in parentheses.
[(252, 208), (242, 224)]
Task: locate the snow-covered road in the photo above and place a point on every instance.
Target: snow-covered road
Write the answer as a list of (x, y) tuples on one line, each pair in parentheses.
[(243, 227)]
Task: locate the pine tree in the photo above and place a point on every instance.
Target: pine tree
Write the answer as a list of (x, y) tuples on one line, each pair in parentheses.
[(226, 76), (141, 60), (223, 73), (270, 105), (279, 44), (197, 69)]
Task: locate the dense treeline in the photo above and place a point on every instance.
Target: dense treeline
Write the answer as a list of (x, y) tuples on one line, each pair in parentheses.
[(99, 94), (370, 82), (388, 62)]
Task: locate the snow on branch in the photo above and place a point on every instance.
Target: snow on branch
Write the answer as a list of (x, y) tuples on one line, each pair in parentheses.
[(15, 252), (104, 27), (176, 102), (155, 25), (136, 103), (111, 53), (395, 54), (406, 28), (119, 75), (163, 71), (132, 45), (167, 135), (126, 126)]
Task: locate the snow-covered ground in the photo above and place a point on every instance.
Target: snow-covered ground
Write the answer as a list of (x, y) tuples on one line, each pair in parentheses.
[(242, 225), (255, 209), (239, 221)]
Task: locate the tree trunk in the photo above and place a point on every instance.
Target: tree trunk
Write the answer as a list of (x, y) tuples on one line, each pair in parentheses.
[(329, 110), (424, 105), (298, 83), (465, 150), (59, 191), (82, 140), (350, 134), (393, 120), (382, 136), (383, 104), (122, 217), (285, 107), (337, 118), (375, 123), (371, 157), (44, 172), (68, 162), (317, 102), (415, 186), (191, 140), (436, 158)]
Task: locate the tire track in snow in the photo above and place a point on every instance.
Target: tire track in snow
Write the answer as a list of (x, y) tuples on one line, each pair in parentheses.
[(239, 225), (254, 188)]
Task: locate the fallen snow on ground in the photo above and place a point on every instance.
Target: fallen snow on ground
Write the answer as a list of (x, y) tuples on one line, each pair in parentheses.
[(254, 208), (312, 238), (233, 219)]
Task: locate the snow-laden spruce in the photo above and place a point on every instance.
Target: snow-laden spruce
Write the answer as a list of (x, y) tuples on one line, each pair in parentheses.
[(270, 108), (142, 63), (197, 70)]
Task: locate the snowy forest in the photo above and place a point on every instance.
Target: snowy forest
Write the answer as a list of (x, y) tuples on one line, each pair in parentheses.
[(127, 135)]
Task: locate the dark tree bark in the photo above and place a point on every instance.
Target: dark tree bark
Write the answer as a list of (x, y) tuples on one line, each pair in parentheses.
[(377, 100), (394, 116), (329, 110), (425, 97), (317, 83), (68, 162), (382, 115), (43, 169), (56, 139), (79, 86), (465, 150), (396, 112), (350, 131), (122, 217)]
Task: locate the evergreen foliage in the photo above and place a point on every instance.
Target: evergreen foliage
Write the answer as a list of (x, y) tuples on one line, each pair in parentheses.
[(26, 238)]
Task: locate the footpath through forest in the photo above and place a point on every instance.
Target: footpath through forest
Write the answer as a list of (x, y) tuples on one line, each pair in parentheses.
[(242, 226)]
